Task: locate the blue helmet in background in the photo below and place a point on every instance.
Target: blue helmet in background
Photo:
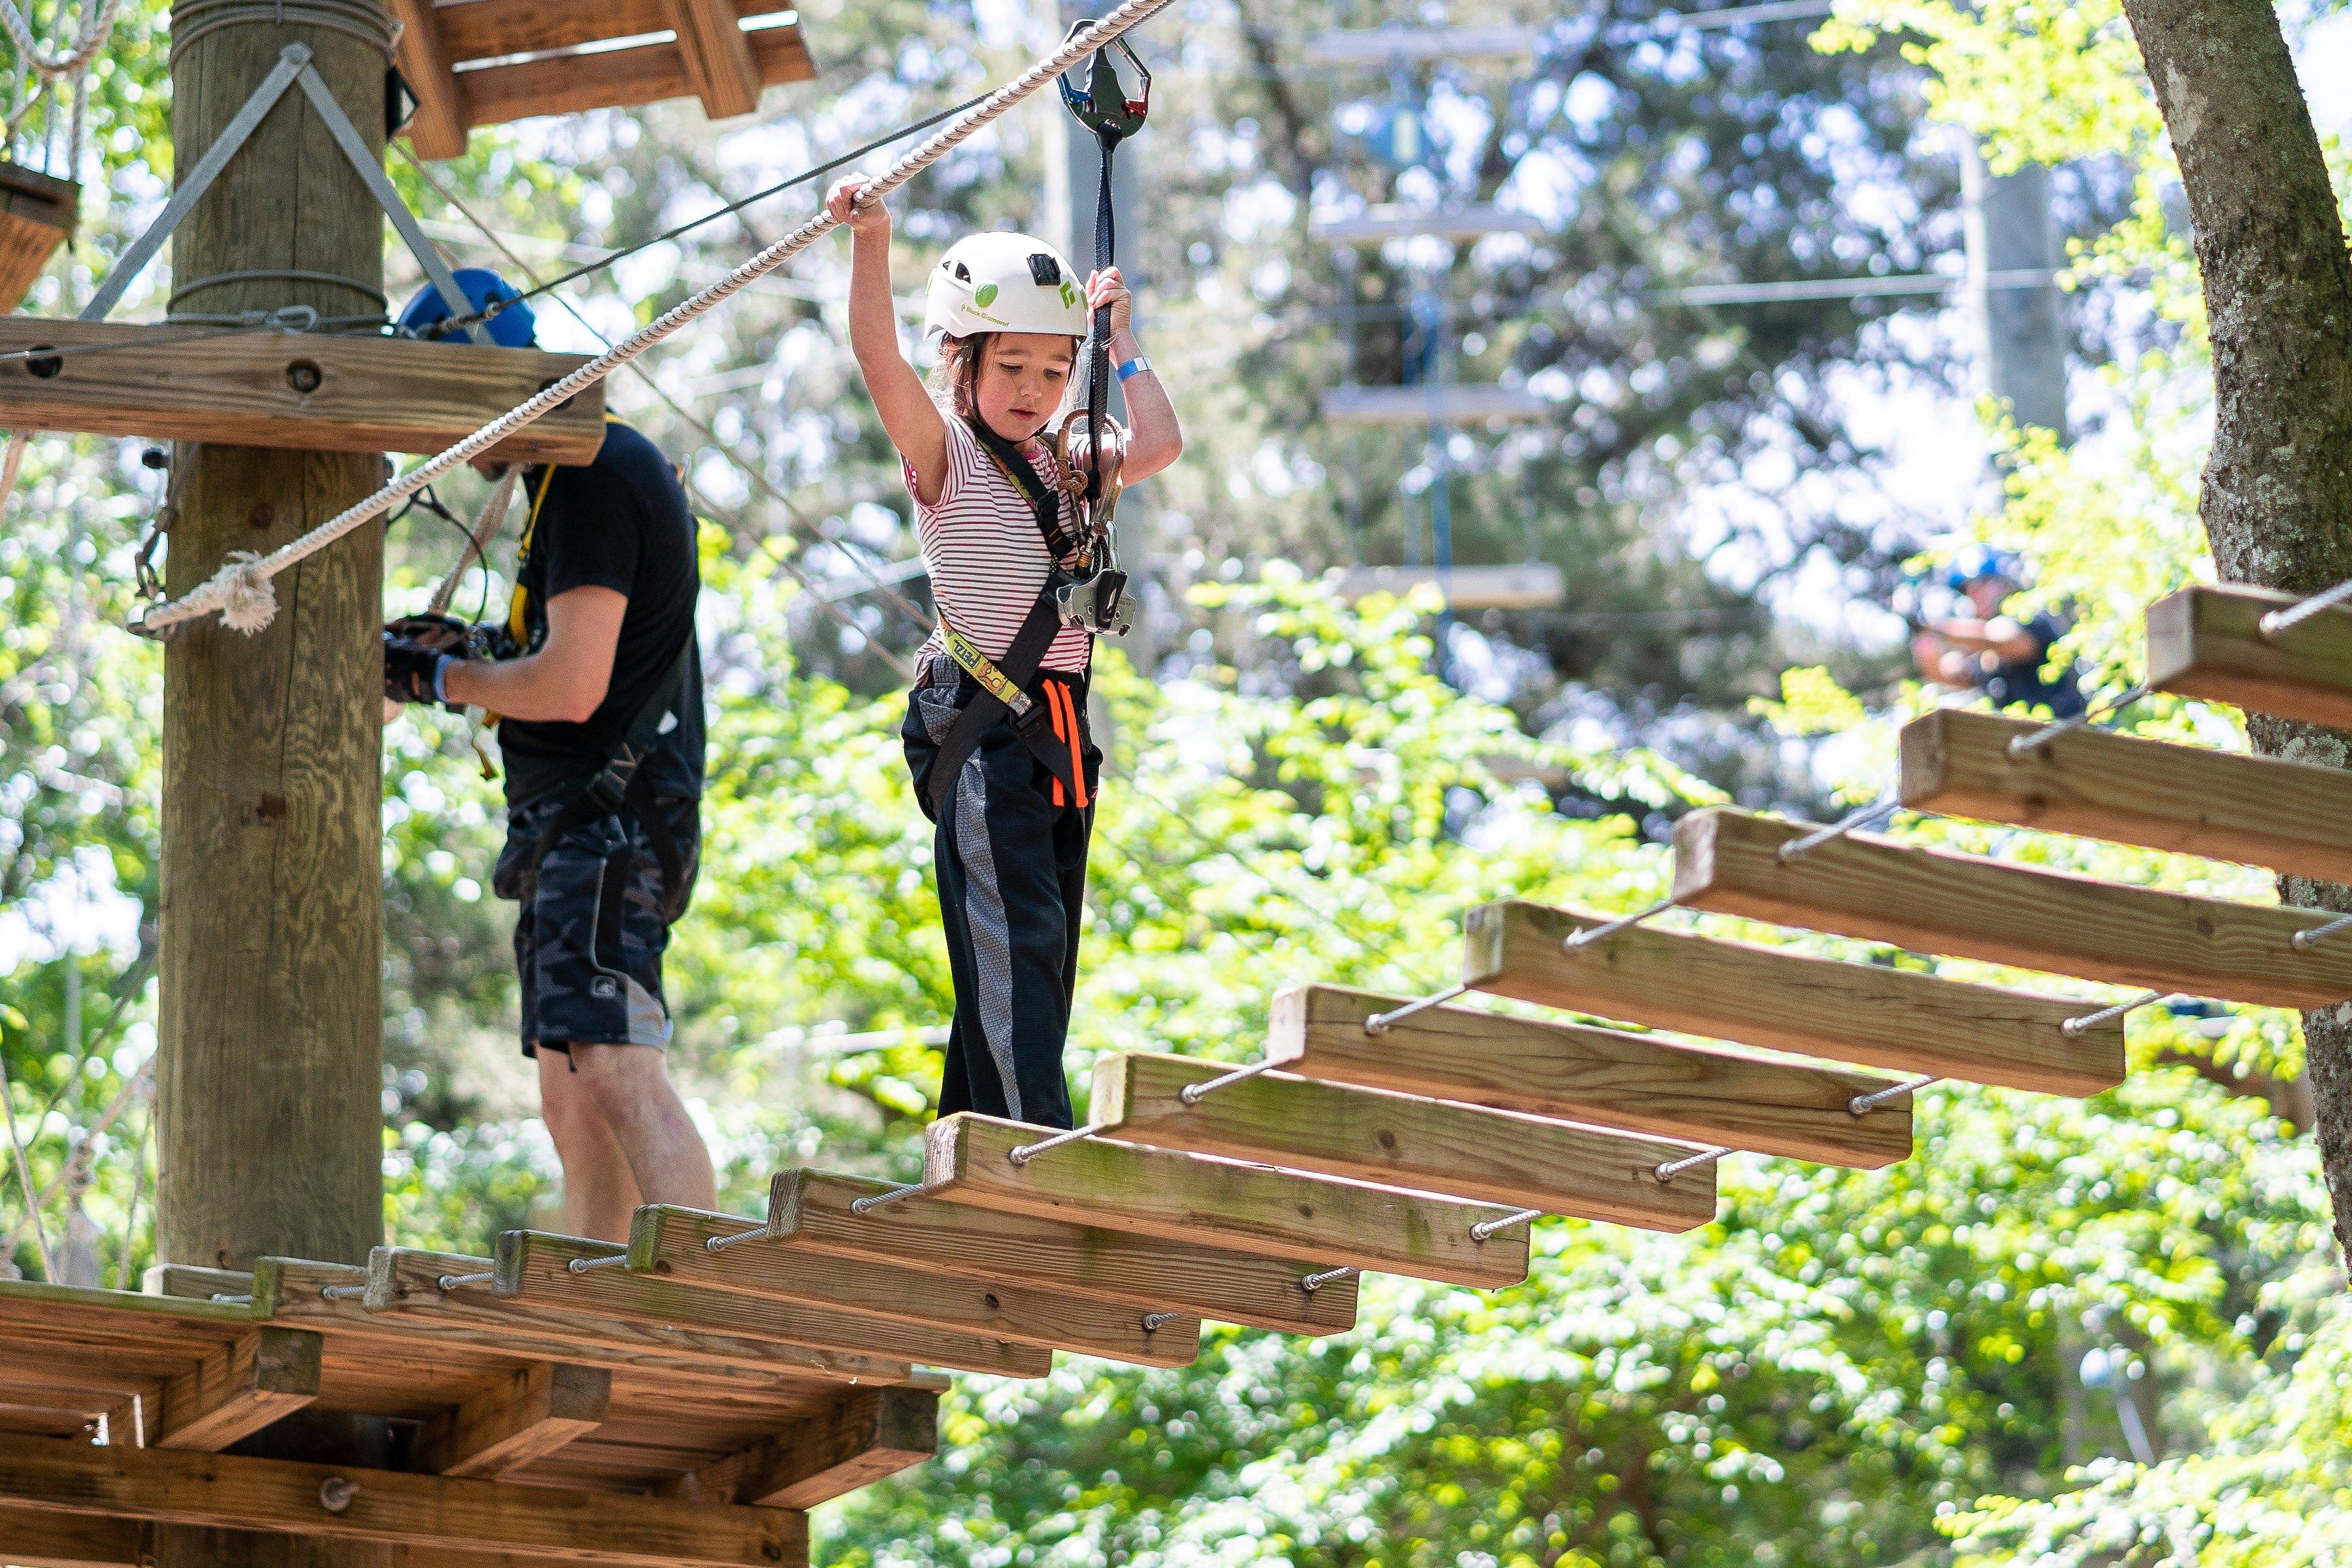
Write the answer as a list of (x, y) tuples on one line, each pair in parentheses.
[(514, 327), (1979, 562)]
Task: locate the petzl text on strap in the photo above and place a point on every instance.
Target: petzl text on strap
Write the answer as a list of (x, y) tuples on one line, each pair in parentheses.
[(1016, 671)]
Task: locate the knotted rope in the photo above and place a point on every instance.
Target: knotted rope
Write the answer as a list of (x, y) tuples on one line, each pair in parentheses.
[(96, 28), (240, 594)]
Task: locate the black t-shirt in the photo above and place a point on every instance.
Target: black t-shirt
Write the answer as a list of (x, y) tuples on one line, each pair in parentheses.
[(620, 523), (2026, 680)]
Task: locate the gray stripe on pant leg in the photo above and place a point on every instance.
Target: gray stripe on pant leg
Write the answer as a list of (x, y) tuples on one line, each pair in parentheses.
[(984, 918)]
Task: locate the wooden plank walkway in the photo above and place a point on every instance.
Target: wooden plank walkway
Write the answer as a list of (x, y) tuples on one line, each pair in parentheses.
[(2206, 641)]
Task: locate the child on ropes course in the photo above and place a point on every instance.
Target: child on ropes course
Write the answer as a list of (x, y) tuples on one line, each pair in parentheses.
[(996, 732)]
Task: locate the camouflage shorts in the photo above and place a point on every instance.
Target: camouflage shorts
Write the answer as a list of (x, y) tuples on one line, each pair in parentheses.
[(594, 922)]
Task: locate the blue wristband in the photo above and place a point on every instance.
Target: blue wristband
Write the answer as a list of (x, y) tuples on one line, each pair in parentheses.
[(1137, 366), (440, 672)]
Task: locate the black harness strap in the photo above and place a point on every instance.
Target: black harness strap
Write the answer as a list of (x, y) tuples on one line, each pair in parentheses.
[(1030, 644)]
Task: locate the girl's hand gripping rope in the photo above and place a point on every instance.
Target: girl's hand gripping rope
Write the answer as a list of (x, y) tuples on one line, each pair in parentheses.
[(871, 220), (1106, 287)]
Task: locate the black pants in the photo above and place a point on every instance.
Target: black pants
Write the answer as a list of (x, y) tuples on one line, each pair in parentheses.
[(1010, 852)]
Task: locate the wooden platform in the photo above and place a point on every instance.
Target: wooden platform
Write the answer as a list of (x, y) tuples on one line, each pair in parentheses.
[(313, 391), (633, 1458), (484, 62), (2224, 806), (2206, 641), (1783, 1001), (1931, 900)]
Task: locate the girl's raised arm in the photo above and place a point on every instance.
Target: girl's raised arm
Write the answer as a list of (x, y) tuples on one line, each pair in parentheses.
[(913, 421)]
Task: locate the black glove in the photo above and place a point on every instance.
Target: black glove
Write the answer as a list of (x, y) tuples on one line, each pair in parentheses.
[(409, 670)]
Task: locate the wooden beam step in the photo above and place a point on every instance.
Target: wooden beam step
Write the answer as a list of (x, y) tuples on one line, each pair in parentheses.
[(237, 1390), (1399, 1139), (611, 1529), (810, 1212), (864, 1437), (536, 1267), (672, 1243), (1193, 1199), (718, 59), (1576, 1072), (2224, 805), (1932, 900), (1767, 996), (315, 391), (522, 1416), (2206, 641), (408, 1284)]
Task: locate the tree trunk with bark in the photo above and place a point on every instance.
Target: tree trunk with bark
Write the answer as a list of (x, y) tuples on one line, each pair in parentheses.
[(2277, 499)]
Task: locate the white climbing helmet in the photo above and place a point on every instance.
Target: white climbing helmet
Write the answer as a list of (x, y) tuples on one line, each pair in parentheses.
[(1004, 283)]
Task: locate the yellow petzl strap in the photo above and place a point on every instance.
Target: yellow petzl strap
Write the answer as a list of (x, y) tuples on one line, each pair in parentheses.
[(519, 606), (983, 669)]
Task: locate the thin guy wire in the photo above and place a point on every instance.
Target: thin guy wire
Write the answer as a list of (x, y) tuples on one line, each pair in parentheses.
[(1852, 822), (1592, 934), (1666, 1173), (1193, 1093), (240, 591), (2305, 940), (2020, 745), (1380, 1023), (868, 1204), (1028, 1151), (2074, 1027), (1863, 1104), (582, 1264), (1485, 1229), (2277, 623)]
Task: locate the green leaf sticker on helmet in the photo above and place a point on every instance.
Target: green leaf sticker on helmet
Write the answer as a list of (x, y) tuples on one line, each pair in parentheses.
[(984, 296)]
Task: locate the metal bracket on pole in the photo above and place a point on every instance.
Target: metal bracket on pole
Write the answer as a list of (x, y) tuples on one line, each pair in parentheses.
[(293, 66)]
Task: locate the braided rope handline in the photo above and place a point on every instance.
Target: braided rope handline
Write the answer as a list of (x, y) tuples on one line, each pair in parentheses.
[(96, 28), (485, 527), (240, 594)]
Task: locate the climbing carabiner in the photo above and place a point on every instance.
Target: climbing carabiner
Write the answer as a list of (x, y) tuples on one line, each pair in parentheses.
[(1104, 106)]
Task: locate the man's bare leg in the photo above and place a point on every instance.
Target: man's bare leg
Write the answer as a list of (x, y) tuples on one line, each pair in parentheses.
[(599, 1190), (630, 1085)]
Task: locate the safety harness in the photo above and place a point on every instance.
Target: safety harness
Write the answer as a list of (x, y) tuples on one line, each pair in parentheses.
[(1091, 595), (617, 784)]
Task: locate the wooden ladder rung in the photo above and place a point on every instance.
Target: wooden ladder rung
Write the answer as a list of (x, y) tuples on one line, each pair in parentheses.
[(1195, 1200), (672, 1243), (536, 1266), (1932, 900), (2224, 805), (810, 1213), (1399, 1139), (1573, 1071), (2206, 641), (1894, 1018)]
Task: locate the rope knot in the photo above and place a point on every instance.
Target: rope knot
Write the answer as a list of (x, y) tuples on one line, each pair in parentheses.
[(247, 602)]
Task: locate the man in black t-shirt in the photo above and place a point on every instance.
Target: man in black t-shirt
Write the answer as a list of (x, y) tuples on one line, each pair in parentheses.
[(601, 729), (2005, 657)]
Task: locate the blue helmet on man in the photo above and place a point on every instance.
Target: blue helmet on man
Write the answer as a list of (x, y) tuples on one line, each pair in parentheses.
[(513, 327), (1979, 562)]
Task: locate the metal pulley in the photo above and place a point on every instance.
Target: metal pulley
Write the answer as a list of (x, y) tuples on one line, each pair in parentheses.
[(1104, 106)]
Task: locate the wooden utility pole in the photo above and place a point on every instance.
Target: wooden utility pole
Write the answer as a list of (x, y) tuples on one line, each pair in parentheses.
[(269, 1060)]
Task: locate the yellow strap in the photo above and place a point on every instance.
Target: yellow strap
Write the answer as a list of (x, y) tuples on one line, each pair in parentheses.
[(983, 669), (519, 604)]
